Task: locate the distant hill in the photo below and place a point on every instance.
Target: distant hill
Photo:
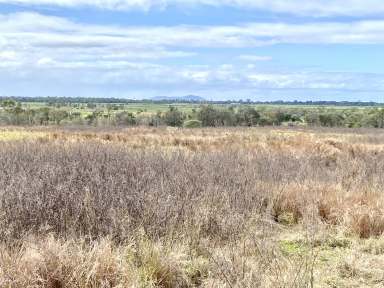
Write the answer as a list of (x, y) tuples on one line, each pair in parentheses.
[(188, 98)]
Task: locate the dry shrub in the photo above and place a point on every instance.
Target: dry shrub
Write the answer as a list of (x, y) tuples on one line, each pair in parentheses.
[(360, 212), (50, 262), (198, 196), (53, 263), (365, 221), (96, 189), (289, 204)]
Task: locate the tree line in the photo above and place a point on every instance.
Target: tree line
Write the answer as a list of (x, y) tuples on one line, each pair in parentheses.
[(52, 100), (15, 113)]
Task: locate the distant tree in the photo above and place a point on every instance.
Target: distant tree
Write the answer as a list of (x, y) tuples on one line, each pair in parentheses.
[(331, 119), (58, 116), (42, 116), (280, 117), (374, 118), (91, 105), (247, 116), (225, 118), (125, 118), (353, 119), (155, 120), (93, 117), (312, 118), (8, 104), (173, 117), (207, 116), (381, 117), (265, 121)]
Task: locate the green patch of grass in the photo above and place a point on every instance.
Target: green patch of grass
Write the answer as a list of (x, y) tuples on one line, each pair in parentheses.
[(338, 242), (293, 247)]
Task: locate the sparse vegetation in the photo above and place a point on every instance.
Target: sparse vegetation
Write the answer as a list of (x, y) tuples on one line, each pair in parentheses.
[(162, 207), (148, 113)]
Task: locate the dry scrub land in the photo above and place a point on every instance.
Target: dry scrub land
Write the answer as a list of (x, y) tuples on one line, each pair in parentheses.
[(143, 207)]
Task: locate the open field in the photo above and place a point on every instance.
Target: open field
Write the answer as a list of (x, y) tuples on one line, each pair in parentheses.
[(132, 107), (153, 107), (171, 207)]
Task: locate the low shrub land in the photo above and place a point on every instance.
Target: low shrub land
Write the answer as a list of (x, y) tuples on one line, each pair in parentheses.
[(123, 113), (202, 207)]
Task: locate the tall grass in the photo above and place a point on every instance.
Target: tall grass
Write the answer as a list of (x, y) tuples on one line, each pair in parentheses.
[(124, 216)]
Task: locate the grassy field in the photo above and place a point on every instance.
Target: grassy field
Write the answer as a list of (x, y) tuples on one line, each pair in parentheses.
[(188, 107), (171, 207)]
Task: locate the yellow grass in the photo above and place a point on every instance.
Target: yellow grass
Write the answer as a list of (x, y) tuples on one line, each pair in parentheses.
[(14, 134)]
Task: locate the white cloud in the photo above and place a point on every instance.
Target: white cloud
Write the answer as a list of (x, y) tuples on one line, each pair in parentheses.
[(33, 41), (254, 58), (45, 61), (7, 55), (55, 54), (31, 33), (299, 7)]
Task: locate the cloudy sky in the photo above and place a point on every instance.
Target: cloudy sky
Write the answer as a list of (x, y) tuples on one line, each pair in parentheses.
[(218, 49)]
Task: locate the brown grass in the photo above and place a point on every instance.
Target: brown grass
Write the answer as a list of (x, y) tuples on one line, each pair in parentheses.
[(147, 207)]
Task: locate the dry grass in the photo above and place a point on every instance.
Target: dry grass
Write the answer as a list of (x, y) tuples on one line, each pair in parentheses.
[(144, 207)]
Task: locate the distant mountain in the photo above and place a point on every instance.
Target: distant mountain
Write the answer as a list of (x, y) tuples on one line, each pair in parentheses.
[(188, 98)]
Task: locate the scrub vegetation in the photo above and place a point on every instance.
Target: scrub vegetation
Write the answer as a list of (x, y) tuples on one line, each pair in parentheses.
[(190, 115), (203, 207)]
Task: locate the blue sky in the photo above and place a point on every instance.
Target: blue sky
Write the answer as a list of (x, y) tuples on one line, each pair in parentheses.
[(218, 49)]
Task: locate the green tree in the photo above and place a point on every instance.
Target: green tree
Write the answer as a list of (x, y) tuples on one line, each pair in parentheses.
[(207, 116), (173, 117), (331, 119), (247, 116), (42, 116), (125, 118), (8, 104), (58, 116)]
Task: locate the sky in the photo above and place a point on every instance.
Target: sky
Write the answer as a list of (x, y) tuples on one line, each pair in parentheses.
[(262, 50)]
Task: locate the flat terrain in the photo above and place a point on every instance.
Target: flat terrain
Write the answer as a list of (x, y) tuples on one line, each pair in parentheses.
[(153, 107), (173, 207), (189, 115)]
